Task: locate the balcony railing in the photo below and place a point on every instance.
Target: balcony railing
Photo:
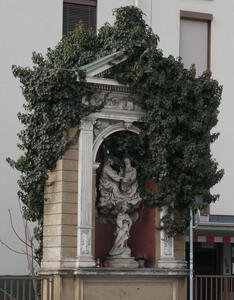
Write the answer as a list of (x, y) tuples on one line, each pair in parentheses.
[(213, 287), (26, 288)]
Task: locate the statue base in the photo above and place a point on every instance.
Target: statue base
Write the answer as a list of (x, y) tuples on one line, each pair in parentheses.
[(120, 262)]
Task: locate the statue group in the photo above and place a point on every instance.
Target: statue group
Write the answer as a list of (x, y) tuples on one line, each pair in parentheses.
[(119, 198)]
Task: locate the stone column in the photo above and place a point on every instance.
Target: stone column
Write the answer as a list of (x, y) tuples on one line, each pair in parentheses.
[(167, 256), (85, 191)]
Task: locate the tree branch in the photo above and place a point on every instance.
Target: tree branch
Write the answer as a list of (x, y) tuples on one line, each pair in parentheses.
[(13, 228)]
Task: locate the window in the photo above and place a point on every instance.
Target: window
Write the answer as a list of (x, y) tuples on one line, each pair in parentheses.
[(195, 29), (75, 11)]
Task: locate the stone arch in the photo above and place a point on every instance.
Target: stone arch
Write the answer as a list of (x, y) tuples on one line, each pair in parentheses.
[(143, 227), (121, 126)]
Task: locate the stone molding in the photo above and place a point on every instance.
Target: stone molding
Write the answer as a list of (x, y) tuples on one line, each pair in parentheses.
[(167, 272)]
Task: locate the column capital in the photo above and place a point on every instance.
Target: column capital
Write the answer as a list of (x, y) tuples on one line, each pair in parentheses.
[(87, 124)]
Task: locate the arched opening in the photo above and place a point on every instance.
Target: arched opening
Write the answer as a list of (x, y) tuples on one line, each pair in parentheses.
[(119, 144)]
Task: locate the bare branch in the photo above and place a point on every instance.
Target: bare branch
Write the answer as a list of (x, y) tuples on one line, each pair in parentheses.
[(28, 241), (13, 250), (13, 228)]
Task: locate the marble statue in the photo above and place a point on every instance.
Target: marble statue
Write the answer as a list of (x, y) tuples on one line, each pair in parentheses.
[(119, 199), (123, 226), (118, 190)]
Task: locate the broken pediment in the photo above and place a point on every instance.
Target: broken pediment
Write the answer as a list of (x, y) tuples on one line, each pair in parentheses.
[(98, 70)]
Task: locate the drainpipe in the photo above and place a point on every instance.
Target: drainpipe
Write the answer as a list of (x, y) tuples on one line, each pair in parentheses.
[(191, 256), (151, 7), (194, 222)]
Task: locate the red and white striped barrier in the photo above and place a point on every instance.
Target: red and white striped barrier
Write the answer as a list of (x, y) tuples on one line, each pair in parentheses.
[(211, 239)]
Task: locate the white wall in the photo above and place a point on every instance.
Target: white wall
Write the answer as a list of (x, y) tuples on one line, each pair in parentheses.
[(25, 26), (165, 21), (222, 66), (222, 58), (105, 10)]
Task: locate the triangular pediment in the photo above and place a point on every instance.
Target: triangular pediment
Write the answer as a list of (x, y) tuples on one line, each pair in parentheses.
[(96, 69)]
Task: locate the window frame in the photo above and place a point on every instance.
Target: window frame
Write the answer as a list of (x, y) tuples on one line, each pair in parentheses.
[(200, 17), (82, 2), (92, 3)]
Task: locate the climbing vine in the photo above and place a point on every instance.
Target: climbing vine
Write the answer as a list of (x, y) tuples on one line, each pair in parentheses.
[(181, 110)]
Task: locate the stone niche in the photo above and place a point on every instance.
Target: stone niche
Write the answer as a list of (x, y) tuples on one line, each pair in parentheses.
[(73, 237)]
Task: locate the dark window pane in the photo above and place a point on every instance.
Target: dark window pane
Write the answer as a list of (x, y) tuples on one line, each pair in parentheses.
[(74, 13)]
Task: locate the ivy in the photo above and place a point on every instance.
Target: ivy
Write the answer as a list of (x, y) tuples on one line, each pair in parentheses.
[(176, 131)]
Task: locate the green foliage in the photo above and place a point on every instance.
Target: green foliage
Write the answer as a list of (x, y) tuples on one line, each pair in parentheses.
[(182, 112), (181, 109)]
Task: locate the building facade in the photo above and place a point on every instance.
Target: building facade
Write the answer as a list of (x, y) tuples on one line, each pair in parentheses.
[(213, 243)]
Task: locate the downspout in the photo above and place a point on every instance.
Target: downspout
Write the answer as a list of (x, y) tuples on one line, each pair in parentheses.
[(191, 256), (151, 7), (137, 5)]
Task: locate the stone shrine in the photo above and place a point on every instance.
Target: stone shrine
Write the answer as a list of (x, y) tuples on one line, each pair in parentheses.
[(70, 227)]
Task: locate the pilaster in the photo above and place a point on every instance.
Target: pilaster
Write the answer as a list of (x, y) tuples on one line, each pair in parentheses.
[(85, 199), (167, 251)]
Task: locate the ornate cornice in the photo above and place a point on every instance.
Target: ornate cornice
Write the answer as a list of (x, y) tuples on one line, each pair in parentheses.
[(111, 88)]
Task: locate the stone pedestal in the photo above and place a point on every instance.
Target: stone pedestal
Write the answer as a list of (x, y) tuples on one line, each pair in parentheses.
[(115, 284), (172, 264), (120, 262)]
